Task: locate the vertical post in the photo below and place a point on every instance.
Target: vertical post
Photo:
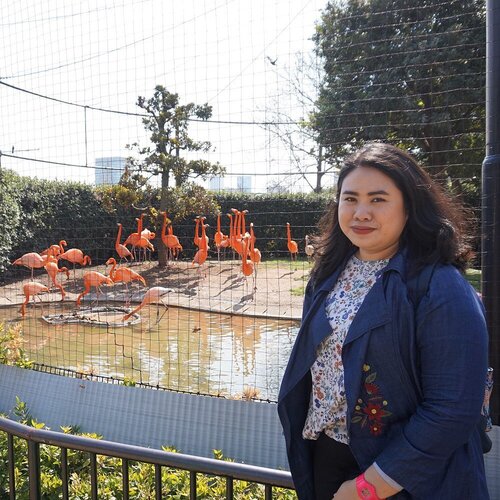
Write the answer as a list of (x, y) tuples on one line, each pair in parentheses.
[(34, 469), (86, 139), (491, 198)]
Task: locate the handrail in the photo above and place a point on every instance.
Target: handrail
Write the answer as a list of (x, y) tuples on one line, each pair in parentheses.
[(204, 465)]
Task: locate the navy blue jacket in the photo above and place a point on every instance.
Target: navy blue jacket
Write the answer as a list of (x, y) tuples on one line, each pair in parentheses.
[(414, 383)]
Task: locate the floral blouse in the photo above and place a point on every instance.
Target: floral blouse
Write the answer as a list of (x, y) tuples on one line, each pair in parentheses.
[(328, 407)]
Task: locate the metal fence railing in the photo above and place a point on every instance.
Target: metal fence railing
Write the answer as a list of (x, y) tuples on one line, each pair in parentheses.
[(35, 437)]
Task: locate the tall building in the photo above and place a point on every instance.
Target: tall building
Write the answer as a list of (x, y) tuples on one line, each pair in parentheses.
[(244, 183), (109, 170), (216, 184)]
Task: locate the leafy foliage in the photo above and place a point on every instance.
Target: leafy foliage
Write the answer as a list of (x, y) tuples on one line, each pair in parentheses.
[(411, 73), (168, 122), (175, 482), (11, 346), (9, 215)]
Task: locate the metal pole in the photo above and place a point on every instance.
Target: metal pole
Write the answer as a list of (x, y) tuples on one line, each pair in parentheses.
[(491, 199)]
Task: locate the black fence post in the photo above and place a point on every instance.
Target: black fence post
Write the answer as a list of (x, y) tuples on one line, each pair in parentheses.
[(34, 470), (491, 198)]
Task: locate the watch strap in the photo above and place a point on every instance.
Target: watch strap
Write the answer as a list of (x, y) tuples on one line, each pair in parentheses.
[(365, 490)]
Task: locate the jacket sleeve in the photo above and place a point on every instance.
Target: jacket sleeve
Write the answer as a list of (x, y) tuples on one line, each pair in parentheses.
[(452, 349)]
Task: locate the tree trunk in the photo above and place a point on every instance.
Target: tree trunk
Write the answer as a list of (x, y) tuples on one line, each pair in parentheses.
[(162, 250), (319, 173)]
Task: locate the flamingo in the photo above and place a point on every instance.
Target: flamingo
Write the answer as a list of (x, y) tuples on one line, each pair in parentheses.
[(170, 241), (197, 237), (293, 248), (237, 243), (55, 250), (202, 253), (247, 267), (31, 289), (123, 274), (93, 279), (254, 253), (138, 240), (176, 244), (309, 249), (122, 250), (53, 270), (153, 295), (32, 260), (133, 238), (220, 239), (149, 235), (76, 256)]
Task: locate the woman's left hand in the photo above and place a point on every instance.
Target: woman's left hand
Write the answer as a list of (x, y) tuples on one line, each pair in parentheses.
[(347, 491)]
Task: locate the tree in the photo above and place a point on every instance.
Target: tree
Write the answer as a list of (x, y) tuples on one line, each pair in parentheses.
[(300, 86), (168, 121), (411, 73)]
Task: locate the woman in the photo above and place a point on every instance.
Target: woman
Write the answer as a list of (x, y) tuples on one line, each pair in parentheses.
[(381, 394)]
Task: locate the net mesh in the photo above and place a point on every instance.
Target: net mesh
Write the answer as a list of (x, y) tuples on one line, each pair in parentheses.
[(293, 87)]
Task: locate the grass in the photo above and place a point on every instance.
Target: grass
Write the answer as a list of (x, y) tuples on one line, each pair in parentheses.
[(474, 278)]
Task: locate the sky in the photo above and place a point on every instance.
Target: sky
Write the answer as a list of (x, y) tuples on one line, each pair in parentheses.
[(68, 66)]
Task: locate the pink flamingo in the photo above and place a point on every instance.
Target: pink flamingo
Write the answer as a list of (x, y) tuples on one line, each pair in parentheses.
[(220, 239), (170, 241), (246, 266), (153, 295), (76, 256), (31, 289), (123, 274), (237, 243), (293, 248), (32, 260), (202, 253), (55, 250), (93, 279), (254, 253), (122, 251), (137, 240), (53, 270)]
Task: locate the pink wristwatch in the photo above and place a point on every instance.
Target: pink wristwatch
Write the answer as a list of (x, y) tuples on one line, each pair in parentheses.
[(366, 490)]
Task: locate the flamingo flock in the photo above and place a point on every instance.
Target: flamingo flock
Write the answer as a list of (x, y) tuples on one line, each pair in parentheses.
[(240, 241)]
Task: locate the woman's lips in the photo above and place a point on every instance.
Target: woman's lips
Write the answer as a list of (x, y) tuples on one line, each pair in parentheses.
[(362, 230)]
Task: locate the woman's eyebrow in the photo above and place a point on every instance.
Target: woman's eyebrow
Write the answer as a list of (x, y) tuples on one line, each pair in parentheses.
[(371, 193)]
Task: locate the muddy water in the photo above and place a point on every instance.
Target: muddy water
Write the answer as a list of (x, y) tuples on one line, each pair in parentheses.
[(174, 348)]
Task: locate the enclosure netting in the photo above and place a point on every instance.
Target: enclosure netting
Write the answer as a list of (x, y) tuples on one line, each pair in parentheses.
[(294, 86)]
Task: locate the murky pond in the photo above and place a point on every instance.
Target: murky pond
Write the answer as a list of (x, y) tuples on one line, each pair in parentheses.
[(174, 348)]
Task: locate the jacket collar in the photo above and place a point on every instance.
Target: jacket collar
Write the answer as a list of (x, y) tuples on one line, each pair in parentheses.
[(396, 263)]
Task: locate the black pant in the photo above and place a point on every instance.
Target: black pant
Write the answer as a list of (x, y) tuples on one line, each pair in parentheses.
[(334, 463)]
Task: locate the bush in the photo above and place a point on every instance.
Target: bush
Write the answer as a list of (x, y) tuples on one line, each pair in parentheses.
[(9, 216), (175, 482)]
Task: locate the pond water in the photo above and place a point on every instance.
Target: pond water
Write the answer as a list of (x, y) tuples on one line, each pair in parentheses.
[(186, 350)]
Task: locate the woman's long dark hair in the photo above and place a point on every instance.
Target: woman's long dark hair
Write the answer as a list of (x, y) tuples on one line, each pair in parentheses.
[(434, 231)]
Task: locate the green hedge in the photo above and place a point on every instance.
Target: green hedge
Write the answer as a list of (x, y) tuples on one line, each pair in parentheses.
[(37, 213)]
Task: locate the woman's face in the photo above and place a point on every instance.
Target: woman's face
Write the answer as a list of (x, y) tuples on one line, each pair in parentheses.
[(371, 213)]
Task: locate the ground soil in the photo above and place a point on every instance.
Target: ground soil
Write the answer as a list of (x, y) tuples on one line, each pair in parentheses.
[(216, 286)]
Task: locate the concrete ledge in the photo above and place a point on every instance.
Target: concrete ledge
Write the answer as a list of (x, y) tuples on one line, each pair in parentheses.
[(248, 432)]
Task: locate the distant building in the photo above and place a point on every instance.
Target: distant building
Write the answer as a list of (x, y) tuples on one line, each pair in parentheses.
[(109, 170), (244, 183), (216, 184)]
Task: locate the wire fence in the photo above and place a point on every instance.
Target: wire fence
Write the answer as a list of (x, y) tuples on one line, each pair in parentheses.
[(293, 86)]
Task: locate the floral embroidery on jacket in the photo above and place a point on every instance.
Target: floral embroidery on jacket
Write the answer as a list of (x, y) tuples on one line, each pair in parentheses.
[(370, 407)]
